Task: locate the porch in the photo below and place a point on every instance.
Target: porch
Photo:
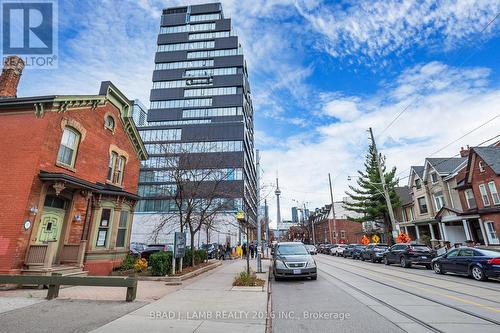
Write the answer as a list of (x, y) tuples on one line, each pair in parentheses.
[(44, 259)]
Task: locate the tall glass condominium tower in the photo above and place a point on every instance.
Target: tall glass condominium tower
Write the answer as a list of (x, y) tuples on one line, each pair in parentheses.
[(200, 102)]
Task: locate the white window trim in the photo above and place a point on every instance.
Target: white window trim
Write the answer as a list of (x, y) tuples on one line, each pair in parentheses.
[(494, 193), (467, 198), (484, 195)]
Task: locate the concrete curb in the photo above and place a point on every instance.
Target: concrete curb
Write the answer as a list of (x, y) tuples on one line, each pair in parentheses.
[(177, 280), (269, 320)]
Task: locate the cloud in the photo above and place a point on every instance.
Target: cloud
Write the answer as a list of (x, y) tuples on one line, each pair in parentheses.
[(439, 114), (370, 30)]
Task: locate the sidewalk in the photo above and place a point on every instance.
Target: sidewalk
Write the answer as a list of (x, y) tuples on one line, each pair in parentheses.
[(206, 305)]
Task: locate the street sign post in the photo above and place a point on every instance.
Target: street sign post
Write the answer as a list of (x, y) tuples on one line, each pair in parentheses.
[(179, 244)]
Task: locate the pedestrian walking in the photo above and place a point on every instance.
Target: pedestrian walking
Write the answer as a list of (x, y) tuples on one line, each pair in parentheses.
[(244, 250), (252, 250)]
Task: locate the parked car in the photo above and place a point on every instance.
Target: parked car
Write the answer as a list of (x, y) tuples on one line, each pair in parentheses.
[(480, 264), (339, 250), (311, 249), (327, 247), (321, 248), (356, 251), (348, 250), (153, 248), (137, 248), (374, 252), (332, 249), (409, 254), (291, 260)]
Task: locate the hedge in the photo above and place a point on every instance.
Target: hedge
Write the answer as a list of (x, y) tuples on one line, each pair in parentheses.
[(199, 257), (161, 263)]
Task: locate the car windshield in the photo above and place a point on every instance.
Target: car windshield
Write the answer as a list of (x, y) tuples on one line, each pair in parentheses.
[(298, 249)]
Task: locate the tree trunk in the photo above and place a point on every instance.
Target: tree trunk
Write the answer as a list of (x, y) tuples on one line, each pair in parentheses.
[(193, 234)]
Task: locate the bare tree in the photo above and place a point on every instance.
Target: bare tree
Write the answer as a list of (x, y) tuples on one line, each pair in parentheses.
[(198, 188)]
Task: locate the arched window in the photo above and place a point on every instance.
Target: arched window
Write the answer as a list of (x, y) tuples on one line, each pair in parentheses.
[(69, 147), (109, 122)]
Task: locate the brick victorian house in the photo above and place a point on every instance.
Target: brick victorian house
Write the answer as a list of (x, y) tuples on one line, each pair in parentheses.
[(68, 182), (479, 194), (347, 231)]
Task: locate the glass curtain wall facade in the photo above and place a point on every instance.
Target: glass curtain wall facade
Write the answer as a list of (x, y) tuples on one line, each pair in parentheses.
[(200, 104)]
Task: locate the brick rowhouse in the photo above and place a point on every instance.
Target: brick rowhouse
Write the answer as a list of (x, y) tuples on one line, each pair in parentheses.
[(68, 182)]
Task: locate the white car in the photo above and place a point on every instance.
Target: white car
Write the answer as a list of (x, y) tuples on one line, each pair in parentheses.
[(338, 250)]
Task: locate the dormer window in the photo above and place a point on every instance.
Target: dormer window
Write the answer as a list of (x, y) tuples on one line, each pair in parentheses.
[(418, 184)]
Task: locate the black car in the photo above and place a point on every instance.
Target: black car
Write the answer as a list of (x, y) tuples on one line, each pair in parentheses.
[(349, 249), (480, 264), (137, 248), (153, 248), (356, 251), (326, 248), (373, 252), (409, 254)]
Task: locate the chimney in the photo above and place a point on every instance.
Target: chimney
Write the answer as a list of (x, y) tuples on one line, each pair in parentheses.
[(11, 74), (464, 152)]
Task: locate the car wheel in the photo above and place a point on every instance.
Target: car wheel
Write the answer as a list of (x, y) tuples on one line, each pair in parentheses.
[(373, 259), (403, 262), (362, 258), (437, 268), (386, 261), (314, 277), (478, 273)]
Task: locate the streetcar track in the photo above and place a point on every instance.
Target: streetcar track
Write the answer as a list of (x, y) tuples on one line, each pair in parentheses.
[(384, 303), (443, 279), (472, 314), (423, 283)]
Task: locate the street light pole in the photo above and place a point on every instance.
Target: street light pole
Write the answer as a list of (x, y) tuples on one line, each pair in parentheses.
[(384, 186), (259, 262)]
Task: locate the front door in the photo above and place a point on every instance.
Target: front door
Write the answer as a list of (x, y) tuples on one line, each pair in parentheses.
[(50, 225)]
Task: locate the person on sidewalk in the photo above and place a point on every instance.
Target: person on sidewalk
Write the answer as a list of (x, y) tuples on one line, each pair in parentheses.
[(228, 251), (239, 251), (252, 250), (245, 250)]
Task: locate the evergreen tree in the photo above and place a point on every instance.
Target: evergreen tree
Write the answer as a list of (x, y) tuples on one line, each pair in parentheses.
[(367, 198)]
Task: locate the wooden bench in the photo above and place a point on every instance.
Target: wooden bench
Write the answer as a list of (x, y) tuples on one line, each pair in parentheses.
[(56, 280)]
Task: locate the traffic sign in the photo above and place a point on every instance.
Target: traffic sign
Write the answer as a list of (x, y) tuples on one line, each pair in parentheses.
[(375, 239)]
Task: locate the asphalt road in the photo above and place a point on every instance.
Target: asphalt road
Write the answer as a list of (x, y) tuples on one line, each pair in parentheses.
[(386, 299), (64, 316)]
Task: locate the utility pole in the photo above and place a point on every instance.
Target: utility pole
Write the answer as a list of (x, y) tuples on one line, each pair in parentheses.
[(266, 226), (259, 262), (333, 213), (384, 186)]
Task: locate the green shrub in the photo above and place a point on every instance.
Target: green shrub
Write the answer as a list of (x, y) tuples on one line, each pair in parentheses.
[(248, 280), (200, 256), (161, 263), (127, 263), (186, 260)]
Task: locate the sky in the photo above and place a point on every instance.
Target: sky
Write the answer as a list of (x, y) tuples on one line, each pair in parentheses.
[(425, 75)]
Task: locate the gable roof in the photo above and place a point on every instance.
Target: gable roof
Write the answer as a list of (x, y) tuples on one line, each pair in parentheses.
[(404, 194), (491, 156), (63, 103), (446, 165), (419, 170)]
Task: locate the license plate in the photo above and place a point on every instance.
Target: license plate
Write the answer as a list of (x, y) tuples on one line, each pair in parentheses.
[(423, 257), (297, 271)]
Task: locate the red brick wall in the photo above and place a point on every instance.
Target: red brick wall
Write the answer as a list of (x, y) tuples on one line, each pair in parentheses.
[(482, 178), (28, 145), (353, 231)]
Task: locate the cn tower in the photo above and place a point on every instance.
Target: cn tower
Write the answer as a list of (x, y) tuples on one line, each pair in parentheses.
[(278, 212)]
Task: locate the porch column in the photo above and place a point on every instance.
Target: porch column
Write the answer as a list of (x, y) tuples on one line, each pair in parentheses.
[(81, 253), (432, 231), (443, 229), (50, 254), (483, 232), (466, 230), (417, 231)]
